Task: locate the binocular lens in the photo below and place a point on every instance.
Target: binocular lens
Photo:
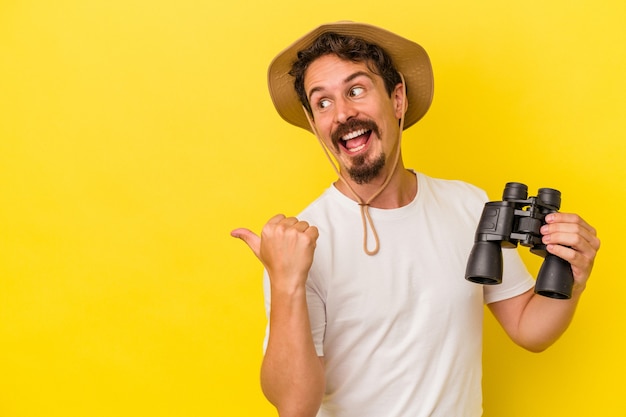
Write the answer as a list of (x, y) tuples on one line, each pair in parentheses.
[(484, 265), (555, 278), (550, 197), (515, 191)]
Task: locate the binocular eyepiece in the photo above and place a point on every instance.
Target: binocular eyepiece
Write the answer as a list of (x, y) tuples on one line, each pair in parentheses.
[(518, 219)]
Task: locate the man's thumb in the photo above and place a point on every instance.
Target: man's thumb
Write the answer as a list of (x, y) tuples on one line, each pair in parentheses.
[(252, 240)]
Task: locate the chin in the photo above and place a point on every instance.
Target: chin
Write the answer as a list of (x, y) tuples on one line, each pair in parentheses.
[(363, 172)]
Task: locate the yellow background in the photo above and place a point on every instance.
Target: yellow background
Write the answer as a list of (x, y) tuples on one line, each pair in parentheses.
[(135, 134)]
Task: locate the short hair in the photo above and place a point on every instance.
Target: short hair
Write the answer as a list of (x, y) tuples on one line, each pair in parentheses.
[(349, 48)]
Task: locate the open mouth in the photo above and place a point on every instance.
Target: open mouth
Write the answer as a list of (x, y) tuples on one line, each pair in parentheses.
[(356, 140)]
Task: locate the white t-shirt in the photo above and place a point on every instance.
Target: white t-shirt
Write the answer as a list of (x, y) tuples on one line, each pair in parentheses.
[(401, 331)]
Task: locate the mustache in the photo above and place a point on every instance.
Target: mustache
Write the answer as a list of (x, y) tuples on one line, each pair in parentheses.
[(352, 125)]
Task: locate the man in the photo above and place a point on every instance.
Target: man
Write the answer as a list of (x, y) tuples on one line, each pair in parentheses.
[(388, 328)]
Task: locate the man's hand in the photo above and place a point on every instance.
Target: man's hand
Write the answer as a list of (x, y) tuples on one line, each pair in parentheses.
[(285, 248), (569, 237)]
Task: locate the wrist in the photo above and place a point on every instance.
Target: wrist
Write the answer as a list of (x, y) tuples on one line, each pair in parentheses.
[(578, 289), (288, 287)]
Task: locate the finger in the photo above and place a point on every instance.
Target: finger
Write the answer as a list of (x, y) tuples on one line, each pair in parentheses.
[(250, 238), (572, 241), (571, 218), (573, 237), (276, 219), (301, 226), (570, 233), (312, 232), (288, 222), (281, 221), (581, 264), (576, 250), (277, 225)]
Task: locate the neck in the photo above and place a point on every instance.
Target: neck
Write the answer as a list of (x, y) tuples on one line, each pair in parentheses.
[(399, 192)]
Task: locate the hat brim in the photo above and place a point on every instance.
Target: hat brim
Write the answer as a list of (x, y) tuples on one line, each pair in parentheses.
[(408, 57)]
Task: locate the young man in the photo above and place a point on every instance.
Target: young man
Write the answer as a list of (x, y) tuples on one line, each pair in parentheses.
[(369, 311)]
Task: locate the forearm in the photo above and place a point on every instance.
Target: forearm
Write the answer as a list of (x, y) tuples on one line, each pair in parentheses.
[(292, 374), (541, 321), (535, 322), (544, 320)]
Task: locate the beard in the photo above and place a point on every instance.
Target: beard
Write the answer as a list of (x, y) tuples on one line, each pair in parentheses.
[(363, 171)]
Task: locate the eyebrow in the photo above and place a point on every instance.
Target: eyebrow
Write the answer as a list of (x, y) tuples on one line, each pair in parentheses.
[(347, 80)]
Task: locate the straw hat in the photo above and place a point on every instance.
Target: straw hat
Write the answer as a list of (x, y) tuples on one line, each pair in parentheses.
[(408, 57)]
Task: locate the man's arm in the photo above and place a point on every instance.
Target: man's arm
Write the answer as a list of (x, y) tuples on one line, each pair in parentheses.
[(533, 321), (292, 375)]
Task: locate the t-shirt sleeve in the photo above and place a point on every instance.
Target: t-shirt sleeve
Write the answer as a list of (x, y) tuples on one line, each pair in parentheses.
[(317, 317), (268, 302)]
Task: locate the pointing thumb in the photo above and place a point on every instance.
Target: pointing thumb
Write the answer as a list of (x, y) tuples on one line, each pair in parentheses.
[(250, 238)]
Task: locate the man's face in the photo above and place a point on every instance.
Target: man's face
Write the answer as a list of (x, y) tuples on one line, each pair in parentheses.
[(354, 115)]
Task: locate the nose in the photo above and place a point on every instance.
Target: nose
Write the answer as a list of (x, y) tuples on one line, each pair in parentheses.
[(344, 110)]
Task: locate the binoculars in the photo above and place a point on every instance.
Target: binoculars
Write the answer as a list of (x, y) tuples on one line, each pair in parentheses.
[(518, 219)]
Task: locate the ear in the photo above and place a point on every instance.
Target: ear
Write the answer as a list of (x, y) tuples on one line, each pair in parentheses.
[(401, 104)]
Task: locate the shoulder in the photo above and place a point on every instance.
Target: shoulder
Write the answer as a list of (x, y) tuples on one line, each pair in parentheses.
[(454, 190), (331, 203)]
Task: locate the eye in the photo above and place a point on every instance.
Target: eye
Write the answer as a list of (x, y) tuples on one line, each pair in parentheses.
[(356, 91), (323, 103)]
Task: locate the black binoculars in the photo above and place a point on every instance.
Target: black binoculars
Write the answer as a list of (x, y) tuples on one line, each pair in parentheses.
[(518, 219)]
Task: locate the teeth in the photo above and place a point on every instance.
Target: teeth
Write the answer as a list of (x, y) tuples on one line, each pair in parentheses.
[(358, 148), (354, 134)]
